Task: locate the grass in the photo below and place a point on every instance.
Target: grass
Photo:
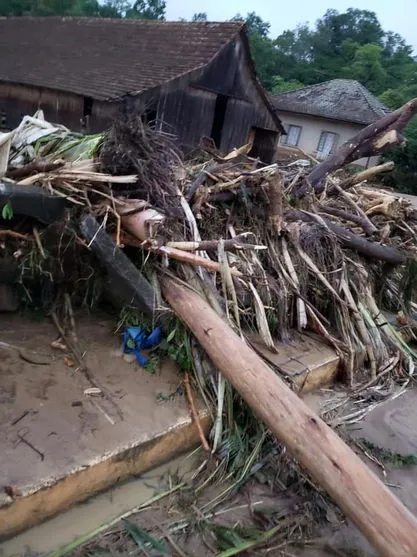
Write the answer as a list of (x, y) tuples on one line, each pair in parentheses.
[(397, 460)]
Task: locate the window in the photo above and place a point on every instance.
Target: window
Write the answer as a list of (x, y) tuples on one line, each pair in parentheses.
[(293, 135), (327, 144)]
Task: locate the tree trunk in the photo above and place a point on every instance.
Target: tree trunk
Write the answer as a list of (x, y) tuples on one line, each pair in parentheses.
[(351, 217), (372, 140), (382, 518), (367, 174), (357, 243)]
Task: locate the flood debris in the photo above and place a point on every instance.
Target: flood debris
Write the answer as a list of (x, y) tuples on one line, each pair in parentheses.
[(271, 249)]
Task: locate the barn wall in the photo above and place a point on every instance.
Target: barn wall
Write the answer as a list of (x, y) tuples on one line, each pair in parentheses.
[(230, 75), (183, 111), (18, 100), (185, 107)]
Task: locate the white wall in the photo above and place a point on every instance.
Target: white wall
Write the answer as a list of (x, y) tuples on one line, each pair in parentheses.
[(312, 127)]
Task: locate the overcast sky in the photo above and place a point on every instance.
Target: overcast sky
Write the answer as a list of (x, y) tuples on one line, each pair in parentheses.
[(399, 16)]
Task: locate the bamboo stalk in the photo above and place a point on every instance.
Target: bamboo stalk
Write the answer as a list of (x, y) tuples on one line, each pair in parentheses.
[(194, 413), (384, 520)]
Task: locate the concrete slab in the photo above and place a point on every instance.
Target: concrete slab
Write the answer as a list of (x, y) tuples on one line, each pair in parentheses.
[(307, 361), (58, 445), (391, 427)]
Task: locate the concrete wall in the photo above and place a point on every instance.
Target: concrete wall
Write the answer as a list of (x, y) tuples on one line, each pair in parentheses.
[(312, 127)]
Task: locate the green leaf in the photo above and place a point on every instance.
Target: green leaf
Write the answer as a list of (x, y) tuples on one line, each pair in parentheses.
[(143, 539), (7, 211), (171, 335), (245, 546)]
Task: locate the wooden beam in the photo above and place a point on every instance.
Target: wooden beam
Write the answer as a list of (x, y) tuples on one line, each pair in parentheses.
[(382, 518)]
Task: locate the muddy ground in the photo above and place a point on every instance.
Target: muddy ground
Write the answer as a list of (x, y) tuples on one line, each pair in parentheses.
[(276, 495)]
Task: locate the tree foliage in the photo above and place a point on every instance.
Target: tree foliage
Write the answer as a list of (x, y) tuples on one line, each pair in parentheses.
[(142, 9), (351, 45)]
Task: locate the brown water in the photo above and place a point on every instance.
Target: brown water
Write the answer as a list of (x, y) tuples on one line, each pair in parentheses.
[(85, 518)]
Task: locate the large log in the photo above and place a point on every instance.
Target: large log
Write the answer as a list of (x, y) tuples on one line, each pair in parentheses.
[(361, 245), (382, 518), (372, 140)]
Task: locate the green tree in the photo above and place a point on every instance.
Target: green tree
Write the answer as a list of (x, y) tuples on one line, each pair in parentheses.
[(255, 24), (367, 67), (147, 9), (200, 16), (280, 85), (115, 8), (404, 176)]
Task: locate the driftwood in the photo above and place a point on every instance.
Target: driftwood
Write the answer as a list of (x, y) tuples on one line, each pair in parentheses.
[(382, 518), (234, 244), (34, 167), (353, 241), (371, 141), (367, 174), (201, 178), (356, 219)]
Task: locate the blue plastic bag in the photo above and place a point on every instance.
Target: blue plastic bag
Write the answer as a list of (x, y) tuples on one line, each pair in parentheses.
[(135, 339)]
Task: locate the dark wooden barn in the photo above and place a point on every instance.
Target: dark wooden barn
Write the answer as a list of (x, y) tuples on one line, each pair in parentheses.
[(193, 80)]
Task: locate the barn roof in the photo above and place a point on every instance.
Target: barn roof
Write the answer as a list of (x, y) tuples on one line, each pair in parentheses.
[(106, 58), (338, 99)]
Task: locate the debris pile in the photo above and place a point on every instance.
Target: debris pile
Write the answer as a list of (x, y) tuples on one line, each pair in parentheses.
[(339, 262), (271, 249)]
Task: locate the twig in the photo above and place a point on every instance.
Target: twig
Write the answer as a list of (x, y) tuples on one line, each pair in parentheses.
[(194, 413), (79, 359), (37, 237), (383, 373), (29, 444), (370, 227), (14, 234)]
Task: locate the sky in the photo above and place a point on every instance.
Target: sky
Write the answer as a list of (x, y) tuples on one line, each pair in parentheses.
[(399, 16)]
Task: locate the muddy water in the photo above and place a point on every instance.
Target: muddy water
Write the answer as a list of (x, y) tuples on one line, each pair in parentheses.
[(88, 516)]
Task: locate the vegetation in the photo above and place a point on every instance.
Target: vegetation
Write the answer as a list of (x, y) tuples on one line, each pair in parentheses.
[(350, 45), (141, 9), (396, 460)]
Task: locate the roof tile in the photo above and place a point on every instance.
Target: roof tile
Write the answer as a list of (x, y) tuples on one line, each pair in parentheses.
[(338, 99), (106, 58)]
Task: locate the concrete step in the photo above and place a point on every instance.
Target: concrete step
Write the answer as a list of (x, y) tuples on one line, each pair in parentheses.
[(59, 446)]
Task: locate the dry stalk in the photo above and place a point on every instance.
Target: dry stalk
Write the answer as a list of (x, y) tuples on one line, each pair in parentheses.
[(360, 324), (16, 235), (38, 242), (194, 413), (301, 308), (348, 199)]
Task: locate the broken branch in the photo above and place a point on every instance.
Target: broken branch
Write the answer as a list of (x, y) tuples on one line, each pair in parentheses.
[(371, 141)]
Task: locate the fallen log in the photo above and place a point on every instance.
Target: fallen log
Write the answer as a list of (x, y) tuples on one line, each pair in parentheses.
[(234, 244), (353, 241), (371, 141), (382, 518), (366, 175), (34, 167), (137, 239), (356, 219)]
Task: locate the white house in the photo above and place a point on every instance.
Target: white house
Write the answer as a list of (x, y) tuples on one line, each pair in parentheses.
[(321, 117)]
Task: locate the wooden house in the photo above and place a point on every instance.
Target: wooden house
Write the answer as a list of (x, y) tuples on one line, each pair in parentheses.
[(194, 80)]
